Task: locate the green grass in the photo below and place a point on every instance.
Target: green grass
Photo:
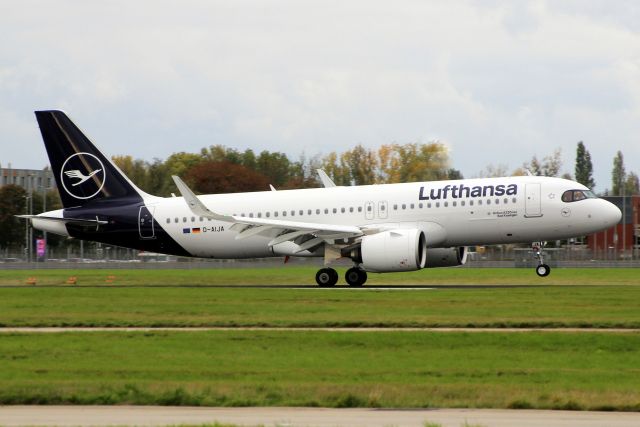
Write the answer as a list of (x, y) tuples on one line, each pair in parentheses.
[(333, 369), (304, 275), (575, 306)]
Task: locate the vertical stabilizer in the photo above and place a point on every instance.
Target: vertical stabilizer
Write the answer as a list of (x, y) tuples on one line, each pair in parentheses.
[(82, 172)]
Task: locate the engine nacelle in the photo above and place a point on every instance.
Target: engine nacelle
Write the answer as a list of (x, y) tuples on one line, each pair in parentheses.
[(446, 257), (394, 250)]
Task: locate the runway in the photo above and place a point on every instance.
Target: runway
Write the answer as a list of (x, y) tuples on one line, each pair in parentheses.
[(11, 416), (56, 330)]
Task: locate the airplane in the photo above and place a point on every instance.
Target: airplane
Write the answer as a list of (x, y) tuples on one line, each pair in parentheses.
[(379, 228)]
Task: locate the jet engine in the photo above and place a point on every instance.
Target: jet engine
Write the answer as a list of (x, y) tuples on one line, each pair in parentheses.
[(393, 250), (402, 250), (446, 257)]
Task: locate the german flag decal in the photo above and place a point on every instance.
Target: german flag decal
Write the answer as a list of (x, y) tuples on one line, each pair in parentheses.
[(195, 230)]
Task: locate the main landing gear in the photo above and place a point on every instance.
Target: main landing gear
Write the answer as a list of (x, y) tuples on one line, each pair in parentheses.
[(542, 269), (327, 277)]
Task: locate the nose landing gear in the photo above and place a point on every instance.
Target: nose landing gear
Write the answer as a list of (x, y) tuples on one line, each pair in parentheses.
[(542, 270)]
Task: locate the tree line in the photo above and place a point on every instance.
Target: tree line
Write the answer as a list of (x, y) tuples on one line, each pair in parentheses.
[(221, 169)]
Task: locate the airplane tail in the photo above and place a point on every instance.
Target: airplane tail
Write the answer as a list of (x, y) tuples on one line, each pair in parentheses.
[(81, 171)]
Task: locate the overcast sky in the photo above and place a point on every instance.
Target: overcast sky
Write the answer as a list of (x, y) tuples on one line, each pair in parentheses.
[(497, 81)]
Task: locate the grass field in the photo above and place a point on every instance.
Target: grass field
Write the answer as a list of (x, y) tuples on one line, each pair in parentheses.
[(317, 368), (305, 275), (577, 306), (334, 369)]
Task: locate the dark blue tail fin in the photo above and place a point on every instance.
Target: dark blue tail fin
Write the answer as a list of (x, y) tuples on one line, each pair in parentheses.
[(82, 172)]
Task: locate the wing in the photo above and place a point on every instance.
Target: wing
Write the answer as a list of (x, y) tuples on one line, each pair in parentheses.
[(306, 234)]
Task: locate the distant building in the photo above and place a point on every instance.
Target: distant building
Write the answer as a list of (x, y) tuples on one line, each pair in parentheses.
[(29, 179), (624, 238)]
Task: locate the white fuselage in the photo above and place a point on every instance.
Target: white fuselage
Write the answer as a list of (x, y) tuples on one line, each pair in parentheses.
[(532, 211)]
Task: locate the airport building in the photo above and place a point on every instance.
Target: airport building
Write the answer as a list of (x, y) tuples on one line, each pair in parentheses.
[(29, 179), (623, 240)]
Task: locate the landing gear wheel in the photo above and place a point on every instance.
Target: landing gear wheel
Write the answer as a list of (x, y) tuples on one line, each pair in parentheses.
[(543, 270), (355, 276), (326, 277)]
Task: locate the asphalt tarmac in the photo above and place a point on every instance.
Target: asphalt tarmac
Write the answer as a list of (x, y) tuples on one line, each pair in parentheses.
[(319, 417)]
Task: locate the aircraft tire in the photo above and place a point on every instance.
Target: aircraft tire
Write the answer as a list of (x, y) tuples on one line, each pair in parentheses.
[(355, 276), (543, 270), (326, 277)]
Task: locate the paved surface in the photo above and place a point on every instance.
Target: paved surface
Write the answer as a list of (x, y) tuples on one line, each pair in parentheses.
[(162, 416), (53, 330)]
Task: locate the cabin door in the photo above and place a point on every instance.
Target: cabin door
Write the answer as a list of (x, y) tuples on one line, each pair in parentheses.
[(533, 208)]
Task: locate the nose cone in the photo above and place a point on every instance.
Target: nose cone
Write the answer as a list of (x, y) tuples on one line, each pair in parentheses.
[(611, 215)]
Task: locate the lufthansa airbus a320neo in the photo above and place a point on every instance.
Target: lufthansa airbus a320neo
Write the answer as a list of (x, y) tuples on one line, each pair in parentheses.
[(380, 228)]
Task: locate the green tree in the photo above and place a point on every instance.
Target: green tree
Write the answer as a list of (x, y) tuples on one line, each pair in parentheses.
[(549, 166), (275, 166), (361, 164), (632, 186), (584, 167), (336, 170), (618, 175), (13, 201)]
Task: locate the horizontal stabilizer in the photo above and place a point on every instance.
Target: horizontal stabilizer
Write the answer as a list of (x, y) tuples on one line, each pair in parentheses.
[(75, 221)]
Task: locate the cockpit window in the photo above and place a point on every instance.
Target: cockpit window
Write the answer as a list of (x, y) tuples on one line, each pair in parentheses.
[(577, 195)]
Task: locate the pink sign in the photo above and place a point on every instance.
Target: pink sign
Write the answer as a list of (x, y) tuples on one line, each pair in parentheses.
[(41, 246)]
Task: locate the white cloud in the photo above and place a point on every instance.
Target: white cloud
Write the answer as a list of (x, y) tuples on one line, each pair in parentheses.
[(499, 80)]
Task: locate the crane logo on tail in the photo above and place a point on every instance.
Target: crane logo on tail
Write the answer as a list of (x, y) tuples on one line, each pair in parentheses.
[(82, 175)]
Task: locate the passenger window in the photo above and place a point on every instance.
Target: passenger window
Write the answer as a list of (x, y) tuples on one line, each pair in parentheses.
[(342, 210), (326, 211), (489, 201), (470, 202), (193, 219), (420, 205), (293, 213), (351, 209), (479, 202), (412, 206), (301, 212), (514, 200), (259, 214), (251, 215), (428, 205), (454, 204), (395, 207), (317, 211), (168, 220), (446, 204), (275, 213), (309, 212), (201, 219), (369, 208), (284, 213), (497, 201), (267, 214), (462, 203), (176, 220), (404, 206), (359, 208), (335, 210), (437, 204), (184, 219), (506, 200)]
